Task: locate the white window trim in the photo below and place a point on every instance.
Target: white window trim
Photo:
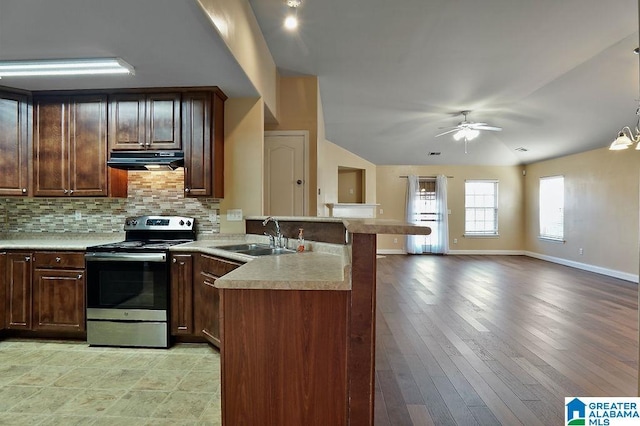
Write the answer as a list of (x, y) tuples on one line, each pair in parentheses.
[(495, 234)]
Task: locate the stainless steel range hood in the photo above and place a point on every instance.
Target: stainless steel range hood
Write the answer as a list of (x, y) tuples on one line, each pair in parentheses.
[(146, 160)]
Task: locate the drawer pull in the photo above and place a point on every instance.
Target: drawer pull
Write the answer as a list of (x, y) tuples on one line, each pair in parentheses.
[(27, 258), (79, 276), (58, 260)]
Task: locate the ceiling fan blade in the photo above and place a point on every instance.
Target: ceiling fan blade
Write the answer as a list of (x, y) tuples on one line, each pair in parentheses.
[(447, 132), (492, 128)]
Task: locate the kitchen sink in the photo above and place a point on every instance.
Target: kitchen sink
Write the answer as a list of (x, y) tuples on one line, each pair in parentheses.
[(253, 249)]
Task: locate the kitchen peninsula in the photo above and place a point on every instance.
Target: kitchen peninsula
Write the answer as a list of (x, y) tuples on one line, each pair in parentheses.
[(298, 331)]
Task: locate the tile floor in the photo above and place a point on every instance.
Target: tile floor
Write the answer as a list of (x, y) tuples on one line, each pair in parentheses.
[(70, 383)]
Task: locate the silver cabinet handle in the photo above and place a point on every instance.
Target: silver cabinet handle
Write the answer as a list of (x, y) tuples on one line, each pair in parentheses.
[(187, 190), (66, 191), (71, 191), (174, 260), (58, 260), (27, 258), (79, 276), (141, 143), (24, 190)]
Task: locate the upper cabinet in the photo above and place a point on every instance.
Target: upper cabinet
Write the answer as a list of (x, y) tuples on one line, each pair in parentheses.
[(203, 141), (144, 121), (70, 146), (14, 144)]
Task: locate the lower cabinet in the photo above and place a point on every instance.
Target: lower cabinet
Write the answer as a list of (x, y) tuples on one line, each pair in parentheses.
[(208, 269), (195, 301), (3, 297), (18, 291), (58, 291), (181, 303), (44, 291)]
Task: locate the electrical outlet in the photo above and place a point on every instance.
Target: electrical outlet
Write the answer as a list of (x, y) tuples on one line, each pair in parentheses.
[(395, 241), (234, 215), (381, 211), (455, 241), (580, 251), (78, 215)]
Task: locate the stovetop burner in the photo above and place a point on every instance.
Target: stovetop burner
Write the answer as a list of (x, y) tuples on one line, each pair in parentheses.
[(152, 233)]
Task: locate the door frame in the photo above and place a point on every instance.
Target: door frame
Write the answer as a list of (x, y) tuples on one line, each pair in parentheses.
[(305, 191)]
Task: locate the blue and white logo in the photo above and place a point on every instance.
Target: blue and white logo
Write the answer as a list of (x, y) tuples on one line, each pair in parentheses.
[(611, 411)]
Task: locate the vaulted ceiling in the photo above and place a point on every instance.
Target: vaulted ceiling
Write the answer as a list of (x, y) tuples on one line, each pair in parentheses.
[(558, 76)]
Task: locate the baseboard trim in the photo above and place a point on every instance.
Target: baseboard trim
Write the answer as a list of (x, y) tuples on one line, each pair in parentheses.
[(489, 252), (391, 251), (634, 278), (585, 267)]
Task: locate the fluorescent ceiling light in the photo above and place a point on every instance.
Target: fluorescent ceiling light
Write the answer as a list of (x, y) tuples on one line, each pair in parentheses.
[(49, 67)]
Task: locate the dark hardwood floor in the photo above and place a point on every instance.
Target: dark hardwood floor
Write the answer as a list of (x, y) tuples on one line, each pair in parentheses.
[(488, 340)]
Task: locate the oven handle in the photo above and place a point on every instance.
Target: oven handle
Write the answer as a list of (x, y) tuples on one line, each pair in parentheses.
[(125, 257)]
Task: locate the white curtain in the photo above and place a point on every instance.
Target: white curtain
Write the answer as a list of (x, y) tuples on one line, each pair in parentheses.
[(415, 243), (440, 242), (439, 239)]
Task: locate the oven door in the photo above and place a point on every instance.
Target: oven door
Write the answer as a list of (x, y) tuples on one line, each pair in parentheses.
[(127, 286)]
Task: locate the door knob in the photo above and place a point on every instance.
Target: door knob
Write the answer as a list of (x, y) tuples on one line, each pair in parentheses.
[(299, 182)]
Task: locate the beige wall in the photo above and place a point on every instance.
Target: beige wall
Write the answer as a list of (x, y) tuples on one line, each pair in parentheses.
[(391, 190), (243, 160), (238, 28), (298, 110), (334, 157), (601, 210)]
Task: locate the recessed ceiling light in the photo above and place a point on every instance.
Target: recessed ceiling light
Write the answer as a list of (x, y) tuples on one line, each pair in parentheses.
[(53, 67)]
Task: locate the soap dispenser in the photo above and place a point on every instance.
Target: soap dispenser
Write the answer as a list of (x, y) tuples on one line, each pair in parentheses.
[(300, 245)]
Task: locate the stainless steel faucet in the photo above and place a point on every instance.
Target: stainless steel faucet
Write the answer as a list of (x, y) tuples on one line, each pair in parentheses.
[(274, 239)]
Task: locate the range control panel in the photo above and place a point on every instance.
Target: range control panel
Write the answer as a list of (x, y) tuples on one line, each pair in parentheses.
[(159, 223)]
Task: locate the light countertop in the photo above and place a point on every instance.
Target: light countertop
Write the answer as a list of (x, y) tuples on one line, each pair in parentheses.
[(56, 241)]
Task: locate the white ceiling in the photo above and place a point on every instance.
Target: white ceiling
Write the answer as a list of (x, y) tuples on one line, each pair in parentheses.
[(558, 76)]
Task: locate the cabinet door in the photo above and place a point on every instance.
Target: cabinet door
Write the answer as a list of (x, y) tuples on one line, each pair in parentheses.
[(127, 122), (88, 146), (58, 299), (196, 139), (163, 121), (181, 294), (18, 291), (3, 286), (51, 168), (209, 309), (14, 144)]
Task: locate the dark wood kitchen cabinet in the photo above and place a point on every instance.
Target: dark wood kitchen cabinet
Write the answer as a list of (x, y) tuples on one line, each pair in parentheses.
[(18, 290), (3, 293), (181, 294), (207, 301), (144, 121), (70, 146), (203, 141), (15, 124), (58, 291)]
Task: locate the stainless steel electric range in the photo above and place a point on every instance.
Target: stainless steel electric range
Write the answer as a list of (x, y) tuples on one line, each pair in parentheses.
[(128, 283)]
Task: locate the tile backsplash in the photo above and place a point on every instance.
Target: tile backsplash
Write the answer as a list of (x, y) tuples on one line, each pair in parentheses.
[(150, 193)]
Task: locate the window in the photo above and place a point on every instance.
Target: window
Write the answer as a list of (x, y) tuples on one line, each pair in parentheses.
[(552, 207), (481, 208)]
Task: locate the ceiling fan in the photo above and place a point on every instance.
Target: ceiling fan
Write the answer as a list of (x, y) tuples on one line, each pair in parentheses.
[(467, 130)]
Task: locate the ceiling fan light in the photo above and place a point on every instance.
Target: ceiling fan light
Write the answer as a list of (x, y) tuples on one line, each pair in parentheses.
[(472, 134), (622, 142), (458, 135)]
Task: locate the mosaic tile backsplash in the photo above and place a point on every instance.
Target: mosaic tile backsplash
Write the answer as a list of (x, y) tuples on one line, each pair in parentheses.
[(157, 193)]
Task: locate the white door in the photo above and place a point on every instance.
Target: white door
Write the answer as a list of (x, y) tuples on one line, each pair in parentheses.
[(284, 168)]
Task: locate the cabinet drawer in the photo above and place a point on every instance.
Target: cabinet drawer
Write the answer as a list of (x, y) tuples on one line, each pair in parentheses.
[(47, 259), (216, 267)]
